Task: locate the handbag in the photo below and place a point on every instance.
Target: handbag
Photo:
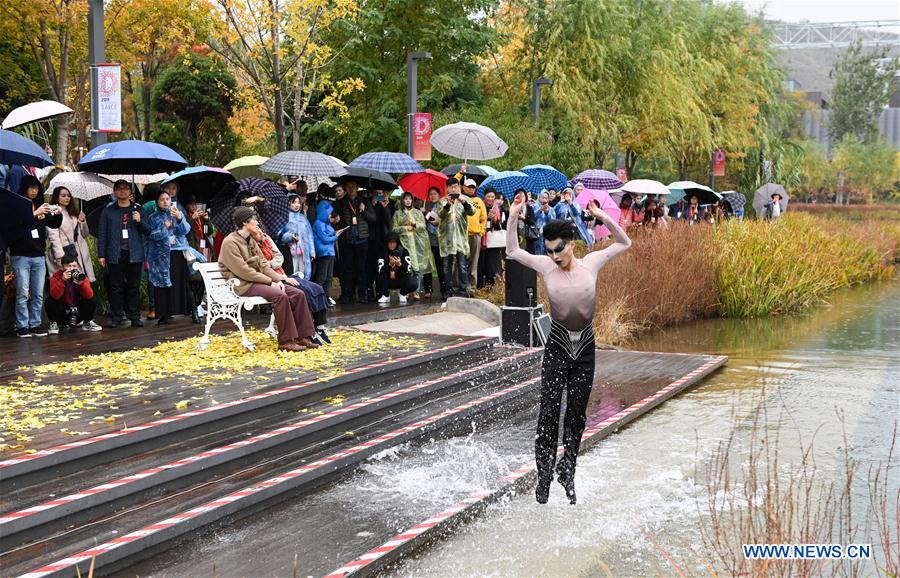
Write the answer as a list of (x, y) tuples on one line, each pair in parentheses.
[(496, 239)]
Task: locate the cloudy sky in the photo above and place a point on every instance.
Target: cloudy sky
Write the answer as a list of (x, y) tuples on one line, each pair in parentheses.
[(826, 10)]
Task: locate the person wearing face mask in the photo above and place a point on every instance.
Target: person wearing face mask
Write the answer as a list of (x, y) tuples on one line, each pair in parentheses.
[(409, 224), (568, 362)]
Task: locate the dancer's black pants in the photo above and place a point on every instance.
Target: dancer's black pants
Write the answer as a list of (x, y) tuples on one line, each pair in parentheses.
[(560, 371)]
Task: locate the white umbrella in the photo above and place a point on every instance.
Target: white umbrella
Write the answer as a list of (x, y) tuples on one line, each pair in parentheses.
[(645, 187), (34, 111), (138, 179), (468, 140), (84, 186)]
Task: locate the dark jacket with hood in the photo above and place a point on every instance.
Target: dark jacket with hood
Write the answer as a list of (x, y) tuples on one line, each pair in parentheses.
[(35, 245), (384, 268)]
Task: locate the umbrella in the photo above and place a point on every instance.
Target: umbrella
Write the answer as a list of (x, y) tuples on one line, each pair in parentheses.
[(735, 199), (491, 171), (303, 163), (607, 203), (687, 189), (16, 217), (244, 167), (645, 187), (763, 196), (597, 179), (388, 162), (137, 179), (273, 217), (34, 111), (375, 180), (131, 157), (419, 183), (468, 140), (546, 177), (15, 149), (475, 172), (84, 186), (507, 183), (201, 182)]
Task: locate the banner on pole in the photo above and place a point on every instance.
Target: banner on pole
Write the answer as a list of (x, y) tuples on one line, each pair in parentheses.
[(106, 98), (719, 163), (422, 134)]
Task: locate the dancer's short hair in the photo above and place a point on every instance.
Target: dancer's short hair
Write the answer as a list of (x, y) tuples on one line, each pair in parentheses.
[(559, 229)]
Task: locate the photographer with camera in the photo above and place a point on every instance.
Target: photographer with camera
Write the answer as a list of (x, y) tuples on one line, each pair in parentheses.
[(27, 258), (71, 301), (453, 236), (395, 271)]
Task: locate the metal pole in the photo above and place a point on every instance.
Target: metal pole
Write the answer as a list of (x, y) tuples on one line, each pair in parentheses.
[(412, 94), (96, 55), (536, 97)]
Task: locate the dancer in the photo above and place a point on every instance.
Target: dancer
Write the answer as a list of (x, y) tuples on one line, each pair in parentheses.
[(569, 354)]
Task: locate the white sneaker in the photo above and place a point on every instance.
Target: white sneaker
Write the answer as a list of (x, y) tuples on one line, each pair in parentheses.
[(384, 299), (54, 328), (402, 299), (331, 302), (91, 326)]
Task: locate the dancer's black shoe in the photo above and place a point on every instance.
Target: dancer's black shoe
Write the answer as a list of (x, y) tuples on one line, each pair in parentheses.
[(542, 490), (568, 484)]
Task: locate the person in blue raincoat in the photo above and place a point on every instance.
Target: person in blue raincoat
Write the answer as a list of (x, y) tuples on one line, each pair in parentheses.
[(297, 235), (568, 210), (543, 214), (324, 237)]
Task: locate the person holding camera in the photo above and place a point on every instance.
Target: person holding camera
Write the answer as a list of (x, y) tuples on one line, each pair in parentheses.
[(71, 236), (27, 259), (430, 210), (395, 271), (453, 236), (71, 301)]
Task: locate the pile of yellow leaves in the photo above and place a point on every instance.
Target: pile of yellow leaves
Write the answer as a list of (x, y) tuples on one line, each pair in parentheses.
[(96, 384)]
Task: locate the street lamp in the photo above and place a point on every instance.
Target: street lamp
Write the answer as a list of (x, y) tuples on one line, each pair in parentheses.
[(536, 96), (96, 55), (412, 94)]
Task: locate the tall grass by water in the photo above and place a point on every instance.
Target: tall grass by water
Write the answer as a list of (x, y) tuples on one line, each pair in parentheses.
[(739, 268)]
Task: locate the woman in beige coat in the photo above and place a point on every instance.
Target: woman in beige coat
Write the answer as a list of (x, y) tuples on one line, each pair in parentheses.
[(72, 231)]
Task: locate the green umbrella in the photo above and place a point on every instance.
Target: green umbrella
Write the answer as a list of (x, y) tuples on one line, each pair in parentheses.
[(246, 167)]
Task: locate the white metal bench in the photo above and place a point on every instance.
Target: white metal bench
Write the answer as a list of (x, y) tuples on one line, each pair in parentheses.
[(223, 303)]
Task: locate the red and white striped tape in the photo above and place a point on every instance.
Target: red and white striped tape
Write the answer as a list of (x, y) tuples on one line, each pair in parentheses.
[(181, 517), (217, 451), (404, 537), (182, 416)]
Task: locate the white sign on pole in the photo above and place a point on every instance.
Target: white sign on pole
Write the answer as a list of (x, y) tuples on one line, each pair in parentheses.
[(106, 98)]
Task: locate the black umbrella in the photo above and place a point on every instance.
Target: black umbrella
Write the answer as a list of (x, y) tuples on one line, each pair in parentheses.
[(273, 215), (374, 180), (16, 217), (200, 183), (473, 172)]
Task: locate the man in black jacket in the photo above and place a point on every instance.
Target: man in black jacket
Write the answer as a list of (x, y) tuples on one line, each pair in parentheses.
[(120, 248), (357, 216)]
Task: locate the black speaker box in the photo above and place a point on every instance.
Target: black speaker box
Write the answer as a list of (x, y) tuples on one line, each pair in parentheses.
[(516, 327), (521, 285)]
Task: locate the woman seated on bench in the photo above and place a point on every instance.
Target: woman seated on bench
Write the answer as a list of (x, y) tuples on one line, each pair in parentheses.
[(242, 258), (315, 295)]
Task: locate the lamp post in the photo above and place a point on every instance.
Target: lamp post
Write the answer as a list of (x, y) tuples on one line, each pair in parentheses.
[(412, 94), (96, 55), (536, 97), (712, 155)]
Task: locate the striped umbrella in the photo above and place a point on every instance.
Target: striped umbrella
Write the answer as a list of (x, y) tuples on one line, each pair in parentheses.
[(468, 140), (387, 162), (273, 215), (507, 183), (546, 177), (303, 164), (597, 179)]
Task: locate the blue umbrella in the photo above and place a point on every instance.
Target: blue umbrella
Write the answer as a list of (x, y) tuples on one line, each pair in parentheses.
[(15, 149), (491, 171), (507, 183), (388, 162), (16, 217), (546, 177), (131, 157)]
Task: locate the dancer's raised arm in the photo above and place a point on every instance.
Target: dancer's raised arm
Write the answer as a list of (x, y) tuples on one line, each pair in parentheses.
[(540, 263), (596, 260)]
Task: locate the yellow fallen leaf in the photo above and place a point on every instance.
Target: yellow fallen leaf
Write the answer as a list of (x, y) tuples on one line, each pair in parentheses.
[(158, 412), (109, 419), (181, 405)]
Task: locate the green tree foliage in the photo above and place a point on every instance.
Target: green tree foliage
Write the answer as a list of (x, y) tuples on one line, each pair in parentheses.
[(862, 89), (457, 34), (193, 100), (20, 79), (865, 171)]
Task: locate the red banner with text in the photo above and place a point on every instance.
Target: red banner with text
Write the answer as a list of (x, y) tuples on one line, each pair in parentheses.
[(422, 133)]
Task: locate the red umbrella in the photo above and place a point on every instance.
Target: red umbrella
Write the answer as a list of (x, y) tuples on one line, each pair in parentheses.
[(609, 206), (419, 183)]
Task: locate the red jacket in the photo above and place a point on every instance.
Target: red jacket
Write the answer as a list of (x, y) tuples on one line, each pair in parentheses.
[(67, 291)]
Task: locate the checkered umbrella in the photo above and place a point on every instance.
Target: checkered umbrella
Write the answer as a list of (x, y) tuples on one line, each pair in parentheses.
[(507, 183), (468, 140), (597, 179), (546, 177), (303, 164), (387, 162), (273, 214), (735, 199), (84, 186)]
